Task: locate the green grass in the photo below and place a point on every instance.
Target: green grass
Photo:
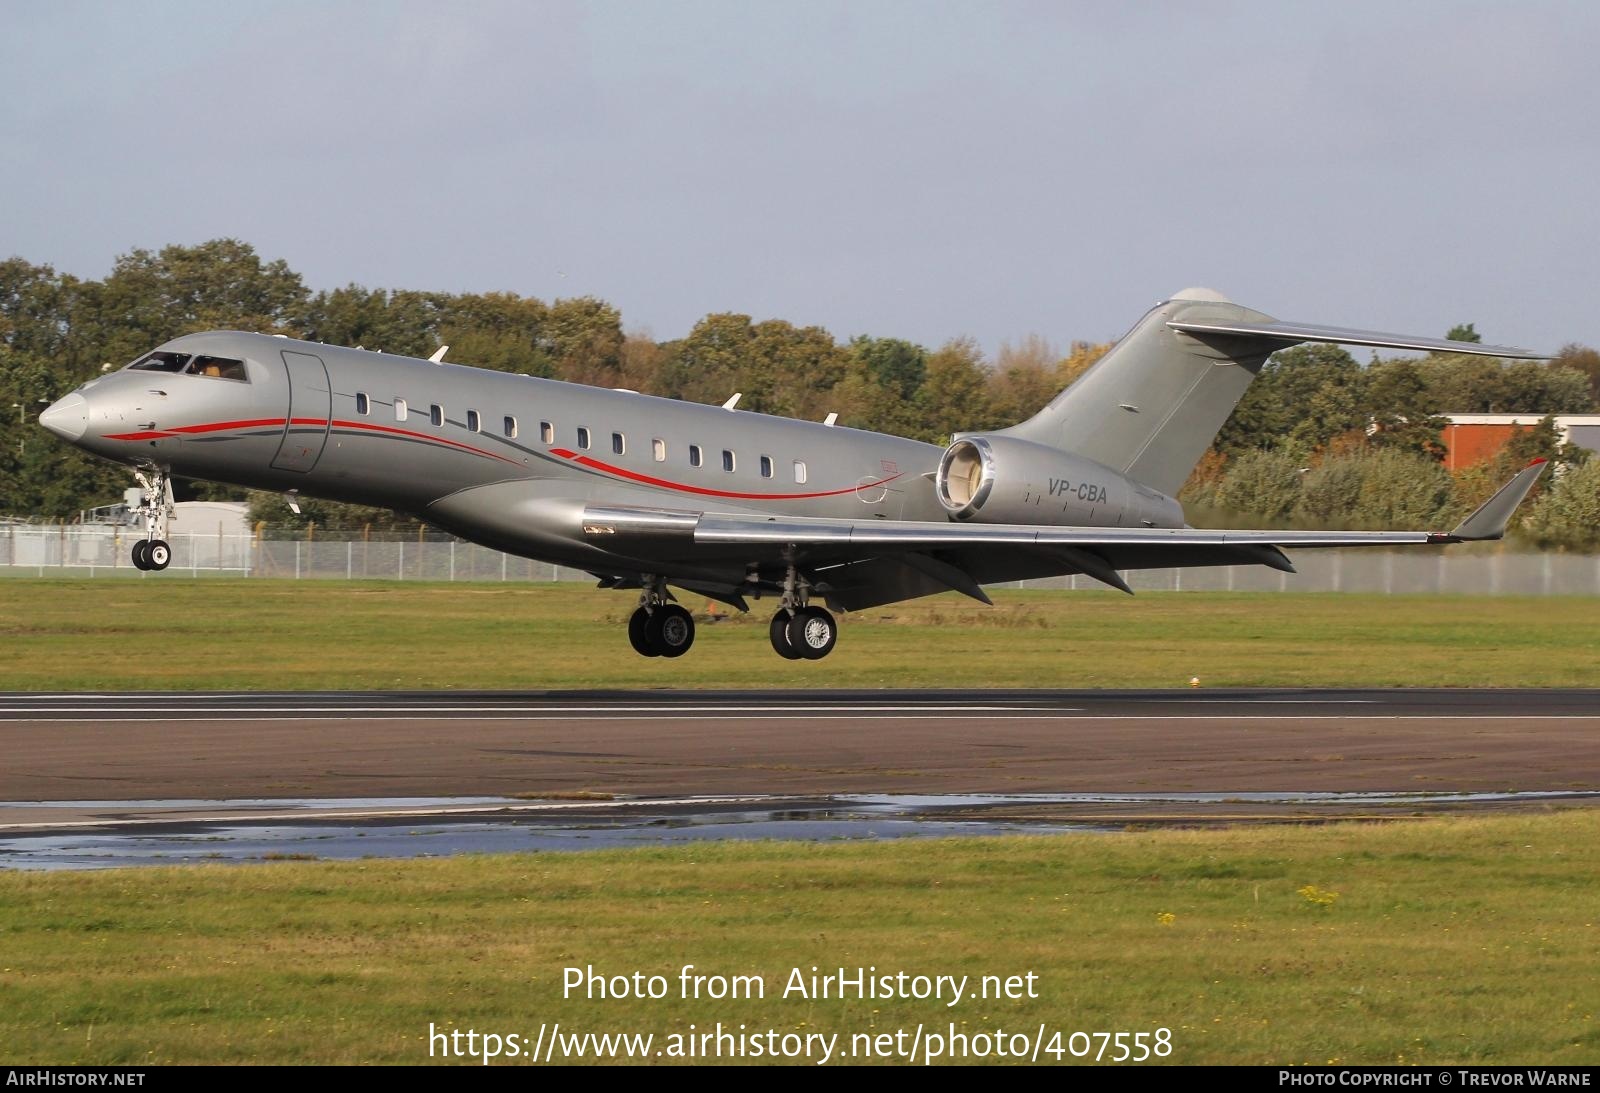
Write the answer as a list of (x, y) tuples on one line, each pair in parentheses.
[(263, 634), (1463, 940)]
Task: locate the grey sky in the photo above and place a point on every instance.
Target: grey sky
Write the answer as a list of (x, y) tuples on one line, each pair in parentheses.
[(921, 170)]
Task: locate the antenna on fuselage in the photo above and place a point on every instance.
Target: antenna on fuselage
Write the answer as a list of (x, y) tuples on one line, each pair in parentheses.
[(732, 402), (438, 355), (830, 419)]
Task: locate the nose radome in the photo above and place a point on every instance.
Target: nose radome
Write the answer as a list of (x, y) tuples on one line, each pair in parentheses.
[(68, 417)]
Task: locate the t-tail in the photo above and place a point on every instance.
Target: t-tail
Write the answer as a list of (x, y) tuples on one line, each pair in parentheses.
[(1152, 405)]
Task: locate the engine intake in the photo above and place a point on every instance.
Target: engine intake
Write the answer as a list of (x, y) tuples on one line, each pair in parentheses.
[(997, 479), (966, 477)]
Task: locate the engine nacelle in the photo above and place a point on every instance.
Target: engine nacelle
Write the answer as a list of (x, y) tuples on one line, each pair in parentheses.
[(994, 479)]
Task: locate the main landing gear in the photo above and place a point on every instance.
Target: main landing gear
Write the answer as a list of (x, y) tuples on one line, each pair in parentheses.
[(152, 552), (659, 628), (800, 631)]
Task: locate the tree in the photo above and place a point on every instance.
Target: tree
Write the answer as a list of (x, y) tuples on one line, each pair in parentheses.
[(954, 396), (1025, 379), (400, 322), (777, 367), (44, 353), (1463, 332), (498, 330), (1304, 397), (1402, 488), (150, 297), (1403, 417), (642, 362), (898, 366), (1264, 485), (1568, 515), (881, 380), (1581, 359), (583, 336), (1459, 383)]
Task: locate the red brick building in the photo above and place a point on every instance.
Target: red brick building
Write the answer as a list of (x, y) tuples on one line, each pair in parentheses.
[(1472, 439)]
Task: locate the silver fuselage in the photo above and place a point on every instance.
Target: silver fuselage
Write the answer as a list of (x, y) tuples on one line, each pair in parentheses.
[(327, 422)]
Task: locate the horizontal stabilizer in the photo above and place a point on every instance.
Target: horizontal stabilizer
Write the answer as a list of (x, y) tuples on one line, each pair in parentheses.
[(1293, 333), (1491, 517)]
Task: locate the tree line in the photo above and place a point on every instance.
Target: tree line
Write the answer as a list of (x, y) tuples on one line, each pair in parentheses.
[(1319, 438)]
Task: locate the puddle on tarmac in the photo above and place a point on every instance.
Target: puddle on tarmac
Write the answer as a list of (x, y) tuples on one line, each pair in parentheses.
[(483, 825)]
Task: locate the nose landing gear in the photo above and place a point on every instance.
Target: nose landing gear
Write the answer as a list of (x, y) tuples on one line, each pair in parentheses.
[(152, 553), (659, 628)]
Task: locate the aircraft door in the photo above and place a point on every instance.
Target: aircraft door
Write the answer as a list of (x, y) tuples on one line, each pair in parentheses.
[(310, 408)]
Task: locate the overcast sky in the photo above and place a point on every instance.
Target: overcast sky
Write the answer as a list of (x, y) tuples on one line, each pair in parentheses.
[(919, 170)]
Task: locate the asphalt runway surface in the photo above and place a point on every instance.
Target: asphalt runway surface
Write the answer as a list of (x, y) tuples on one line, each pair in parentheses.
[(102, 749)]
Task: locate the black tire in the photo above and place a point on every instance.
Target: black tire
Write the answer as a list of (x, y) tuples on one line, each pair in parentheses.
[(139, 548), (812, 633), (636, 633), (157, 555), (670, 630), (779, 633)]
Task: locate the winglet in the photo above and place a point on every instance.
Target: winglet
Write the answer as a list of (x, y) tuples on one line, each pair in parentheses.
[(1491, 517)]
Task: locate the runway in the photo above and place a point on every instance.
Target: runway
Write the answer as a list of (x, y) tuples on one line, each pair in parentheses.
[(106, 749), (769, 704)]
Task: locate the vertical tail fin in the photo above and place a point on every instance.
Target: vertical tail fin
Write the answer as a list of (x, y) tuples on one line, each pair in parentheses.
[(1152, 405)]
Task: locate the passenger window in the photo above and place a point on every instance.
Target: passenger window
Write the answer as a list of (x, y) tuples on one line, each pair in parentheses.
[(658, 448), (436, 415), (727, 460), (694, 455), (799, 470), (583, 437), (511, 427), (399, 409), (161, 362), (472, 421), (766, 466), (220, 368), (363, 407), (547, 432), (619, 444)]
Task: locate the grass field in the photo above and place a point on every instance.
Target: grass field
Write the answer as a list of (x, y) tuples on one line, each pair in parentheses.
[(208, 634), (1458, 940)]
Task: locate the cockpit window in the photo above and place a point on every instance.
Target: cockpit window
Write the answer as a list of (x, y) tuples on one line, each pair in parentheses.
[(222, 368), (161, 362)]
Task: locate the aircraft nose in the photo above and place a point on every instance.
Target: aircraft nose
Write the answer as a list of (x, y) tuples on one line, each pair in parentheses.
[(67, 417)]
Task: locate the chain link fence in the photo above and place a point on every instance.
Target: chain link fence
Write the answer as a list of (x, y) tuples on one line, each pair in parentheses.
[(31, 550)]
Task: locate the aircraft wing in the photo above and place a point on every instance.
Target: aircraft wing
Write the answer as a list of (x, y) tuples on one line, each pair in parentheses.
[(862, 563)]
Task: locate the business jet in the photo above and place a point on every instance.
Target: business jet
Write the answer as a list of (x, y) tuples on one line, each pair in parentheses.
[(646, 492)]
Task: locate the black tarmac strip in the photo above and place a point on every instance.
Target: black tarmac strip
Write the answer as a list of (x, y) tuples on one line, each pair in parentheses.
[(1306, 703)]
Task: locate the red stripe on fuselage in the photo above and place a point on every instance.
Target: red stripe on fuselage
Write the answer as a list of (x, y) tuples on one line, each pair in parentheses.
[(683, 487), (278, 423)]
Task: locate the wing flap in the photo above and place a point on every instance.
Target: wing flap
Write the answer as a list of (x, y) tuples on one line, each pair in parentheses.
[(919, 536)]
